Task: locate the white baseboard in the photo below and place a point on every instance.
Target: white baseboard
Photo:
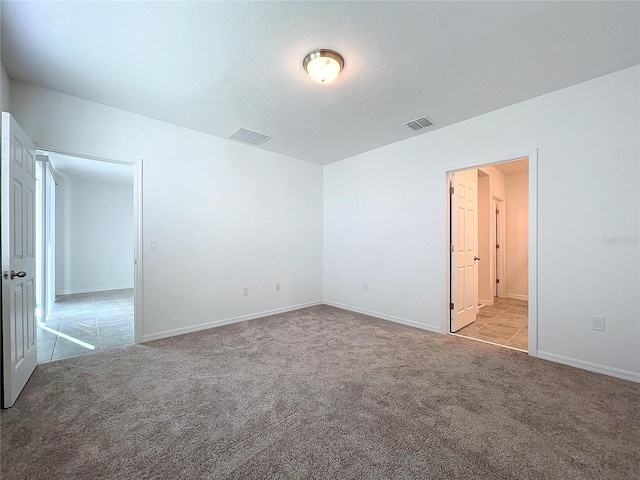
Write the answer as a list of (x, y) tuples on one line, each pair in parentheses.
[(94, 289), (225, 321), (516, 296), (391, 318), (485, 302), (592, 367)]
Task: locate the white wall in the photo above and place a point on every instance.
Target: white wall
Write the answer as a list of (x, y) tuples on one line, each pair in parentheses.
[(94, 235), (384, 219), (225, 215), (517, 245), (5, 90), (5, 83)]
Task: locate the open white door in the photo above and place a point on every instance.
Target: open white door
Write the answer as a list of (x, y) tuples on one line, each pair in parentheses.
[(19, 356), (464, 251)]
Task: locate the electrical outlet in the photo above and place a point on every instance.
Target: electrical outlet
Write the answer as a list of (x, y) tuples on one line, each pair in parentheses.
[(245, 291), (277, 287), (597, 323), (365, 287)]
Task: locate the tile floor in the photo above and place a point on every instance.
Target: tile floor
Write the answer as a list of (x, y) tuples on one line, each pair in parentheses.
[(85, 323), (506, 322)]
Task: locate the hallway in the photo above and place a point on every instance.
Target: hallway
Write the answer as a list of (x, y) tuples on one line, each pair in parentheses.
[(84, 323)]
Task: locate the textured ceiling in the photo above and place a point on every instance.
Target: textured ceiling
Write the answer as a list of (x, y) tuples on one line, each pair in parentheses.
[(215, 66)]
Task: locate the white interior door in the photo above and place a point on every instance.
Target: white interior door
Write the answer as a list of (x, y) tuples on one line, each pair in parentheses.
[(464, 251), (19, 356)]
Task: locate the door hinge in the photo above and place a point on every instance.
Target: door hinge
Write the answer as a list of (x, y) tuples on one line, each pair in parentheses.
[(451, 306), (497, 211), (451, 248), (497, 280), (497, 246), (451, 190)]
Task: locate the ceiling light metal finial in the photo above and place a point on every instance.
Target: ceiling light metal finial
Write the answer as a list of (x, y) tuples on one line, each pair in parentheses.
[(323, 65)]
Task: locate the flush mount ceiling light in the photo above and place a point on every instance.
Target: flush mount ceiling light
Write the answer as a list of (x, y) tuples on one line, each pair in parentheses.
[(323, 65)]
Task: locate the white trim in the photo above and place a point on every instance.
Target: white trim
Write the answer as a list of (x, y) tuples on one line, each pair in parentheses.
[(532, 155), (501, 256), (592, 367), (89, 154), (382, 316), (41, 267), (225, 321), (516, 296), (138, 314), (446, 228), (532, 296), (91, 290), (486, 303), (51, 170), (136, 163), (489, 162)]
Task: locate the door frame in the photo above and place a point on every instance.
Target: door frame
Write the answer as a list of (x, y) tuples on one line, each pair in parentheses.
[(46, 205), (136, 163), (532, 155), (499, 256)]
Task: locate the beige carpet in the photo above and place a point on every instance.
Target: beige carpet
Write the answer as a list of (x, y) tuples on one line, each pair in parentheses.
[(320, 393)]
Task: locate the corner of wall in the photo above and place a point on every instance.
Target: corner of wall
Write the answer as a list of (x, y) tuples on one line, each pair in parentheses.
[(5, 90)]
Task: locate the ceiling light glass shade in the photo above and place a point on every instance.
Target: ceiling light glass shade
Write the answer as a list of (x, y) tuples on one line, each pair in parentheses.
[(323, 65)]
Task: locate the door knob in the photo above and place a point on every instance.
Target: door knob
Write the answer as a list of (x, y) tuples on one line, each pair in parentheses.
[(20, 274), (476, 258)]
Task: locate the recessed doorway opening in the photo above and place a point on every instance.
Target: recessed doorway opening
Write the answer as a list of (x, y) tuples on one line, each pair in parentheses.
[(489, 272), (87, 217)]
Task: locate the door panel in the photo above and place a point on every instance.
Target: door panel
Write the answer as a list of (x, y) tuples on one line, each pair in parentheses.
[(18, 230), (464, 232), (19, 339)]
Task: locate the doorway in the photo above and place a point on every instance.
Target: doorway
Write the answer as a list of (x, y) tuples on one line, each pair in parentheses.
[(87, 242), (490, 262), (20, 326)]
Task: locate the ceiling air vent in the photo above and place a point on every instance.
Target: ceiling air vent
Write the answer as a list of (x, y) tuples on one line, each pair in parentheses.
[(419, 123), (250, 137)]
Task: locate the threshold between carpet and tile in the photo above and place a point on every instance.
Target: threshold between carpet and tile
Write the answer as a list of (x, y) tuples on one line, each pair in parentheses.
[(320, 393)]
